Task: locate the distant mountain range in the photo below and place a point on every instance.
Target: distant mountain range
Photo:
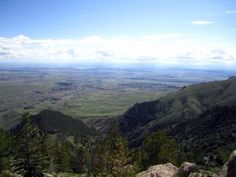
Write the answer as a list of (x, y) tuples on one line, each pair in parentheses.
[(198, 116)]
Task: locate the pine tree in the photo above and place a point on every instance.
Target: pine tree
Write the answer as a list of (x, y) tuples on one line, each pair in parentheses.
[(5, 144), (115, 157), (79, 159), (62, 157), (159, 148), (29, 159), (222, 155), (121, 160)]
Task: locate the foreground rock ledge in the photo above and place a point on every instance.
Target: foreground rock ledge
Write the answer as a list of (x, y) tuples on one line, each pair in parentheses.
[(162, 170), (229, 169)]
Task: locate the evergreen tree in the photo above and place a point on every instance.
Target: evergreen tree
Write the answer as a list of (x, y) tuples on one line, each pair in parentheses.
[(159, 148), (97, 164), (80, 159), (196, 155), (112, 157), (222, 155), (29, 159), (121, 160), (5, 145), (82, 154), (62, 157)]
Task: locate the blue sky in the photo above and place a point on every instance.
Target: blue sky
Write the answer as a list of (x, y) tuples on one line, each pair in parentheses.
[(191, 32)]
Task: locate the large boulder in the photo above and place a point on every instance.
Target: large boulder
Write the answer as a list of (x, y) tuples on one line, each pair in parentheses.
[(162, 170), (187, 168), (229, 169)]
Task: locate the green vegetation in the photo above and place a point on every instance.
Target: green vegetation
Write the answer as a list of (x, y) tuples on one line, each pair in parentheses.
[(54, 122), (112, 157), (30, 158), (195, 116), (84, 93), (222, 155), (5, 144), (77, 92), (159, 148), (31, 152), (55, 143)]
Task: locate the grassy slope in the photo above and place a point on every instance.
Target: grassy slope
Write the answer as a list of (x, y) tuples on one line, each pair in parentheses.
[(196, 98), (177, 107)]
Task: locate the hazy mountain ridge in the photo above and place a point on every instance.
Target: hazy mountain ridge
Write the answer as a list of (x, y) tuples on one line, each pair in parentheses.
[(176, 108)]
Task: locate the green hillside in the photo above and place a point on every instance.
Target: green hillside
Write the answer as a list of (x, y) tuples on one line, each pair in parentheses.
[(176, 108), (56, 122)]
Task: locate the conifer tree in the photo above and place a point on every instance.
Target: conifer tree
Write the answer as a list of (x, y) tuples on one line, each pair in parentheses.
[(5, 144), (62, 157), (115, 157), (30, 159), (159, 148), (79, 159)]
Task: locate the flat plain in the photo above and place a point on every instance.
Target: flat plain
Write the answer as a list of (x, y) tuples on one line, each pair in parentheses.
[(90, 92)]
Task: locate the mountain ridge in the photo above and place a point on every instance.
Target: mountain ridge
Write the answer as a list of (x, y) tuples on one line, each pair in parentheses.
[(169, 111), (54, 122)]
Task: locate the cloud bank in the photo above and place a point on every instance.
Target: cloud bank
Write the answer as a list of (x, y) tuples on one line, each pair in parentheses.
[(230, 11), (201, 22), (160, 48)]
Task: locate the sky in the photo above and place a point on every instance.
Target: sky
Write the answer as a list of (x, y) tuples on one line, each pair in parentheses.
[(169, 32)]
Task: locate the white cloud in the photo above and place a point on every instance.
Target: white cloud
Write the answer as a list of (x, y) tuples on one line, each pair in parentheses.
[(159, 48), (201, 22), (230, 11)]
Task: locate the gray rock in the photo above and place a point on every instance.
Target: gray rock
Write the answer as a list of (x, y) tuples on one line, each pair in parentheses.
[(229, 169), (162, 170), (187, 168)]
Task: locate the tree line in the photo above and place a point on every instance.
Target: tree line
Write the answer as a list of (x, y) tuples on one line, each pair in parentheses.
[(30, 152)]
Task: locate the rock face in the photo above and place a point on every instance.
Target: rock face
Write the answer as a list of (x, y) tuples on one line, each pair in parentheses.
[(229, 169), (232, 166), (162, 170), (187, 168)]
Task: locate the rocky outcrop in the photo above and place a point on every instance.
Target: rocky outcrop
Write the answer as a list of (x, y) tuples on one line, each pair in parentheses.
[(162, 170), (232, 166), (229, 169), (187, 168)]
